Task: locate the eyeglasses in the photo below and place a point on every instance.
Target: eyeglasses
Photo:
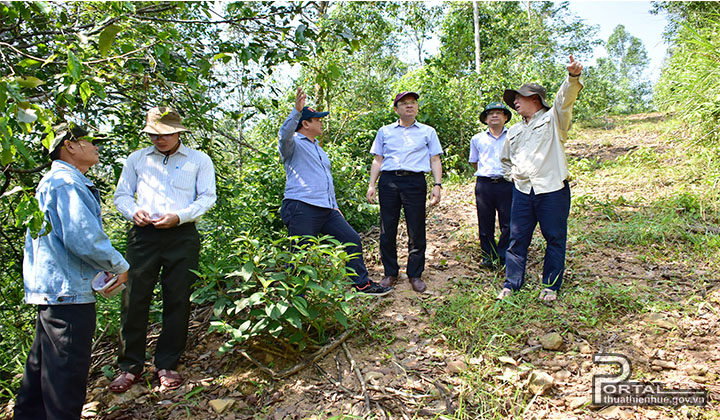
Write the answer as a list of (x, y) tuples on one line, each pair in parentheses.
[(410, 102), (157, 136)]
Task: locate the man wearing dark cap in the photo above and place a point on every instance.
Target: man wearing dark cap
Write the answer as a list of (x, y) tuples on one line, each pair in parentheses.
[(493, 193), (404, 152), (534, 159), (309, 206), (163, 189), (58, 267)]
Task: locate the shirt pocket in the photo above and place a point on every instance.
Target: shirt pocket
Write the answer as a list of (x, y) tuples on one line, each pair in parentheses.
[(184, 178), (542, 131)]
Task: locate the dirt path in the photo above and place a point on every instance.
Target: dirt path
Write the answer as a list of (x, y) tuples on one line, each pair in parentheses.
[(412, 372)]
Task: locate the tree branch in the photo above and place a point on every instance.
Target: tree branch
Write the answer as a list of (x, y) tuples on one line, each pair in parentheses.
[(20, 52), (26, 171), (104, 60)]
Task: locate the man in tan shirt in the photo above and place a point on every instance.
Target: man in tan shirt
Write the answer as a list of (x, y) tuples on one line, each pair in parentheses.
[(533, 158)]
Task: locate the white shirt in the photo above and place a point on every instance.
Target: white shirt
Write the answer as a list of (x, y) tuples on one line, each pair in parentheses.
[(184, 184), (485, 149)]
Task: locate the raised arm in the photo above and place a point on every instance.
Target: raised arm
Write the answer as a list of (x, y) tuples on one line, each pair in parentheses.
[(286, 143), (567, 94)]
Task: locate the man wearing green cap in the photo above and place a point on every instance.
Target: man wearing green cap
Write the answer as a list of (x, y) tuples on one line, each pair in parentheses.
[(493, 193), (58, 267), (534, 159), (163, 189)]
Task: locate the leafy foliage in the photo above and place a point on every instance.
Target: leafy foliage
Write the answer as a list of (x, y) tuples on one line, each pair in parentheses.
[(295, 297), (690, 79)]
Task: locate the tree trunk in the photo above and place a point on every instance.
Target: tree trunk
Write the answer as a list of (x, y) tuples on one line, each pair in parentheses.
[(476, 21)]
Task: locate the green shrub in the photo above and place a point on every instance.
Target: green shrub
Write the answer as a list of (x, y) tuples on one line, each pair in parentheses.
[(266, 290)]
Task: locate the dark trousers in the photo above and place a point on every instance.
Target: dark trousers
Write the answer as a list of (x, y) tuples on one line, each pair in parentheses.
[(551, 210), (493, 196), (408, 192), (176, 251), (305, 219), (56, 373)]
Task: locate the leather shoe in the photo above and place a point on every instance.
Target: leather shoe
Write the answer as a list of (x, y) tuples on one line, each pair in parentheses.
[(417, 284), (388, 281)]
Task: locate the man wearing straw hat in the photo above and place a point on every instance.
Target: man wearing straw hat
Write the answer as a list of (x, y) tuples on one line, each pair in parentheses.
[(163, 190)]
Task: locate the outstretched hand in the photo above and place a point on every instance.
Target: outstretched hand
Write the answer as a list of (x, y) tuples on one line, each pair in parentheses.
[(575, 67), (300, 97)]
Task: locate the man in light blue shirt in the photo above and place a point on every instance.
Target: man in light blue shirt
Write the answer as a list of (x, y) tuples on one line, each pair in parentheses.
[(58, 268), (493, 193), (404, 152), (309, 206)]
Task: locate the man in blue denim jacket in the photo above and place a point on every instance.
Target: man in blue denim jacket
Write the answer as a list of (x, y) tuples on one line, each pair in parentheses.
[(58, 268)]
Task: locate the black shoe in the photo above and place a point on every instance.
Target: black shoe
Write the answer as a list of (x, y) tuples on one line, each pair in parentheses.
[(487, 264), (373, 289)]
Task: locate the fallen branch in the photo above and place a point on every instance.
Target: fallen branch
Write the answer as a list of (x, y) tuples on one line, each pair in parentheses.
[(448, 401), (334, 382), (397, 392), (356, 369), (300, 366)]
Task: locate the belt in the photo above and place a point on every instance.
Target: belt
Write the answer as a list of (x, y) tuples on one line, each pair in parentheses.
[(403, 173), (492, 179)]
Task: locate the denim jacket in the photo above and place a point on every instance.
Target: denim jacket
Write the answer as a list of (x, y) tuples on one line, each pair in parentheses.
[(59, 266)]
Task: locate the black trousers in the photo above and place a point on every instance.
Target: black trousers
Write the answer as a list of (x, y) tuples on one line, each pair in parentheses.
[(493, 196), (176, 251), (56, 373), (408, 192)]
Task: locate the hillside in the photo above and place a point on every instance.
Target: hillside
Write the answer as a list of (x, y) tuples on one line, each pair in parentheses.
[(640, 281)]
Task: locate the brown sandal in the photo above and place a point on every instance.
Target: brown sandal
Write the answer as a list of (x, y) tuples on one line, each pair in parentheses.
[(123, 382), (169, 379)]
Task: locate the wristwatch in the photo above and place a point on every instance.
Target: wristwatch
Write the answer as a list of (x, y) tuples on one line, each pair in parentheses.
[(437, 184)]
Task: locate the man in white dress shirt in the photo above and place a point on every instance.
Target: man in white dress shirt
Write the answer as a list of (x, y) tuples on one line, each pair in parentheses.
[(163, 190), (493, 193)]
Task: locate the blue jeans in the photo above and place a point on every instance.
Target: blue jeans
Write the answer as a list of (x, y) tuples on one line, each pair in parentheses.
[(305, 219), (551, 210)]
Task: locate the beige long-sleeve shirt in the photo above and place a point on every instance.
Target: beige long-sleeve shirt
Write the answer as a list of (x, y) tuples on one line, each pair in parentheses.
[(533, 156)]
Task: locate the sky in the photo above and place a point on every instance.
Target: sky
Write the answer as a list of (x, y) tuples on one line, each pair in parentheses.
[(607, 15), (638, 21)]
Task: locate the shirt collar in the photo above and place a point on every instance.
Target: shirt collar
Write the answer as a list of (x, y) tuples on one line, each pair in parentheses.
[(304, 137), (397, 124), (504, 131), (183, 150), (62, 165), (536, 115)]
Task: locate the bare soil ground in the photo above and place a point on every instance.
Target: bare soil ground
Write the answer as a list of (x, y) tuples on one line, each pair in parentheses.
[(411, 373)]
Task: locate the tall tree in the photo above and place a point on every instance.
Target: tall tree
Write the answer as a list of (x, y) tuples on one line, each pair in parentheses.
[(627, 53)]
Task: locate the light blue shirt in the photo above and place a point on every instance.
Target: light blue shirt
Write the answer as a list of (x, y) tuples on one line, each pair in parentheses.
[(406, 148), (58, 266), (485, 149), (307, 167)]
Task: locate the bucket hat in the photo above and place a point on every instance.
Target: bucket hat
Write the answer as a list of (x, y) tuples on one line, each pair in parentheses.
[(164, 120), (528, 89)]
